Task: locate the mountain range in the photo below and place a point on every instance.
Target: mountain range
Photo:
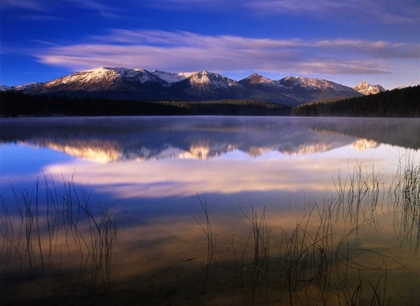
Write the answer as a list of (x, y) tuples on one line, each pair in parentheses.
[(141, 84), (115, 139)]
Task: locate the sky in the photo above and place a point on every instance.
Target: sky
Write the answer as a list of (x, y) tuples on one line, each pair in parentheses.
[(343, 41)]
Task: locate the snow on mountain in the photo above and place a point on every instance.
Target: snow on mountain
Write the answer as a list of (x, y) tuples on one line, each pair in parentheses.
[(195, 78), (257, 79), (27, 86), (208, 78), (313, 83), (124, 83), (4, 88), (400, 87), (367, 89), (171, 77), (104, 74)]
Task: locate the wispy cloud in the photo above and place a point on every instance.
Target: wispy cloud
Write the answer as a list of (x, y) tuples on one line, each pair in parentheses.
[(34, 5), (182, 51), (43, 6), (388, 11), (376, 49), (90, 4), (43, 42), (37, 17), (110, 15), (392, 11), (192, 4), (104, 10)]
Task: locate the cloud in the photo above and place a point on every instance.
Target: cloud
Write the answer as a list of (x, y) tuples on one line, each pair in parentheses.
[(43, 42), (393, 11), (377, 49), (295, 7), (186, 51), (107, 11), (42, 6), (37, 17), (91, 5), (192, 4), (357, 11), (222, 175), (24, 4)]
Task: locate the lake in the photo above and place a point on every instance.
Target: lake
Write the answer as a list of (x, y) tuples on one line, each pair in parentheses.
[(210, 211)]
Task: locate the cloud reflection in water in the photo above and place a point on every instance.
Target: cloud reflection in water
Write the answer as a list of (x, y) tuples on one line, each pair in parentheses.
[(234, 172)]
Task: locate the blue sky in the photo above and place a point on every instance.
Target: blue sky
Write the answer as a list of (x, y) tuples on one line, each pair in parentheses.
[(343, 41)]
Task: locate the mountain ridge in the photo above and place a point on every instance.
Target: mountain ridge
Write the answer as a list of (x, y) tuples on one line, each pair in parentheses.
[(141, 84), (4, 88), (368, 89)]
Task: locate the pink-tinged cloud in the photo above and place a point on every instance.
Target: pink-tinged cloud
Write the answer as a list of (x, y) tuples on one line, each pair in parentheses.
[(33, 5), (42, 6), (186, 51), (224, 175), (390, 11)]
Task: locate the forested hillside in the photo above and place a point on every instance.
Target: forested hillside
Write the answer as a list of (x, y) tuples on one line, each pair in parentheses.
[(395, 103), (20, 104)]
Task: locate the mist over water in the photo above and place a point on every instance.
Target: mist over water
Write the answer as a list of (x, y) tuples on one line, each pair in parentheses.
[(156, 173)]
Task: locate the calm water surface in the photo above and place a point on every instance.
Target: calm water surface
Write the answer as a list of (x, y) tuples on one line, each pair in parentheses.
[(301, 211)]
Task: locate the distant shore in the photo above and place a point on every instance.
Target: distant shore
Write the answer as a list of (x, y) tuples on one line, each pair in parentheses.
[(396, 103), (18, 104)]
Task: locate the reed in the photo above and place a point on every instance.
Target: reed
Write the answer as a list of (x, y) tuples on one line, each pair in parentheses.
[(211, 240), (405, 193), (56, 233), (318, 262), (257, 269), (53, 234)]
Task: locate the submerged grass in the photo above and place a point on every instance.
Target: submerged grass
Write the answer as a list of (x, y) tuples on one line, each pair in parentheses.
[(55, 241), (405, 193), (211, 240), (323, 260)]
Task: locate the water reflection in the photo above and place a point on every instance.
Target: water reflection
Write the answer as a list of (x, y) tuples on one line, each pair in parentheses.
[(326, 189), (178, 157), (232, 173), (106, 140)]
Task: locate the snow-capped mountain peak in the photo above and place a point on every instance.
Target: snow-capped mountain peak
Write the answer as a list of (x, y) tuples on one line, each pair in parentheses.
[(4, 88), (367, 89), (27, 86), (291, 81), (141, 84), (118, 72), (256, 78), (313, 83), (205, 77), (104, 78), (171, 77)]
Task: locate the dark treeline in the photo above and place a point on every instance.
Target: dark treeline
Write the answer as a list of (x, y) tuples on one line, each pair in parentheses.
[(395, 103), (19, 104)]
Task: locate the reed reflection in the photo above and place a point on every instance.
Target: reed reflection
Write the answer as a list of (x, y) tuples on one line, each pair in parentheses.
[(334, 218), (326, 252)]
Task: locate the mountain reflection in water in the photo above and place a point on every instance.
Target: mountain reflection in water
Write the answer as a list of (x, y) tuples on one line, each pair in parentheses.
[(110, 139), (237, 154), (157, 172)]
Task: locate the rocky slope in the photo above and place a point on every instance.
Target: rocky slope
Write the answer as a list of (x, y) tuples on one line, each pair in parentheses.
[(123, 83)]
